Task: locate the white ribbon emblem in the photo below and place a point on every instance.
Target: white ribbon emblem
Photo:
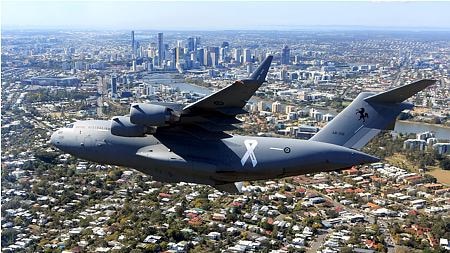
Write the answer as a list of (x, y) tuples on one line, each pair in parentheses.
[(250, 145)]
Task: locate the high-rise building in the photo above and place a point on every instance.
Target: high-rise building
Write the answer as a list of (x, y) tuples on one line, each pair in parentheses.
[(132, 42), (237, 55), (286, 55), (196, 43), (200, 57), (179, 52), (113, 86), (207, 57), (173, 58), (215, 52), (161, 49), (191, 44), (247, 56)]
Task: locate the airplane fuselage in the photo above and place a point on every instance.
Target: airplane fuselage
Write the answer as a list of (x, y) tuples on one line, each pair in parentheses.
[(180, 157)]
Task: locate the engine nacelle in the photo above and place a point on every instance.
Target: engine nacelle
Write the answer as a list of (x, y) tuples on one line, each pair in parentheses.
[(122, 126), (152, 115)]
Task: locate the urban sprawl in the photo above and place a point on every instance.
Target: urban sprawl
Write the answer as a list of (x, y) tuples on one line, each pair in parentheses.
[(53, 202)]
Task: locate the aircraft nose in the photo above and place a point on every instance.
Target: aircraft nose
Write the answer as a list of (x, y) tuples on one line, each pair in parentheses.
[(54, 139)]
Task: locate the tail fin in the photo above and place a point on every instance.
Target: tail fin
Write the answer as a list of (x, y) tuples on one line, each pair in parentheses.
[(367, 115)]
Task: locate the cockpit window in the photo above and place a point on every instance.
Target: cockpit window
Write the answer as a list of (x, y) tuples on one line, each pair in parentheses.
[(69, 126)]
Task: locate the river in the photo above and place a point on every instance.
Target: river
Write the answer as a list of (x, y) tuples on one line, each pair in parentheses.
[(167, 79), (442, 132)]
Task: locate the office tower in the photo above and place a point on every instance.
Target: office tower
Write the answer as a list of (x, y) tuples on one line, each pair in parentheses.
[(215, 52), (173, 59), (179, 53), (132, 42), (214, 59), (207, 57), (191, 44), (196, 43), (237, 55), (136, 50), (286, 55), (161, 49), (223, 53), (113, 86), (200, 57), (247, 56), (225, 44)]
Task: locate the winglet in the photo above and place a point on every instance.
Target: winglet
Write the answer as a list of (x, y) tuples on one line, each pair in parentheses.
[(400, 94), (261, 72)]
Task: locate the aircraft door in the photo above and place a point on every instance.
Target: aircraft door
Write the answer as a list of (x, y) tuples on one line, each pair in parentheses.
[(87, 141)]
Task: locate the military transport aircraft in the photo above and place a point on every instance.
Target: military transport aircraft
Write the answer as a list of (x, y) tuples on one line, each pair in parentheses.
[(173, 143)]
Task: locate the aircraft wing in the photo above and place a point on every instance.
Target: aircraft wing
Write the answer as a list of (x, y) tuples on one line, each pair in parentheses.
[(231, 99), (216, 113)]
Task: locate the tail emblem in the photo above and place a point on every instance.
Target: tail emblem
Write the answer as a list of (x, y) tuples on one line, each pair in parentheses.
[(363, 115), (250, 145)]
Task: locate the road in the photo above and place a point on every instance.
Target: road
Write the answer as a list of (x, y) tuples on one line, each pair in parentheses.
[(318, 242)]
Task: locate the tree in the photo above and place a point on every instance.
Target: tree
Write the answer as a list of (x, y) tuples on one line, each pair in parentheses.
[(445, 163)]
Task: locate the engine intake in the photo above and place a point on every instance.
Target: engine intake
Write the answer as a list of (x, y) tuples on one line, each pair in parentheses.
[(122, 126), (152, 115)]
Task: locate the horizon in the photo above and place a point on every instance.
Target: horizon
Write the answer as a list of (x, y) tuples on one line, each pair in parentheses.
[(197, 15)]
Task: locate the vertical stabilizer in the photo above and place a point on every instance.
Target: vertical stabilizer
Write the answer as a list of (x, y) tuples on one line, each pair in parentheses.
[(367, 115)]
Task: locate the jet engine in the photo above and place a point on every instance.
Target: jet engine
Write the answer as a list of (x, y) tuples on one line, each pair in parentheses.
[(122, 126), (152, 115)]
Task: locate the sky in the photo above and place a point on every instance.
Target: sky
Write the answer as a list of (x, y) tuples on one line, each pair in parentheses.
[(220, 15)]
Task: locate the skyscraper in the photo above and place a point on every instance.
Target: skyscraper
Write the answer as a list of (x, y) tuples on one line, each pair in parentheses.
[(237, 55), (178, 55), (286, 55), (207, 57), (113, 86), (191, 44), (132, 42), (247, 55), (161, 49), (196, 43), (215, 52)]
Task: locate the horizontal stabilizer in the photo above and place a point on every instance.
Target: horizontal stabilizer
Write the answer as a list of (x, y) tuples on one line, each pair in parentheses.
[(401, 93)]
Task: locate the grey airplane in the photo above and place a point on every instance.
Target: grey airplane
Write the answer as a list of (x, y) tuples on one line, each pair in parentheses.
[(191, 143)]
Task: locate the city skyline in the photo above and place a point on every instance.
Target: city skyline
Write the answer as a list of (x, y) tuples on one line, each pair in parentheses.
[(218, 15)]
